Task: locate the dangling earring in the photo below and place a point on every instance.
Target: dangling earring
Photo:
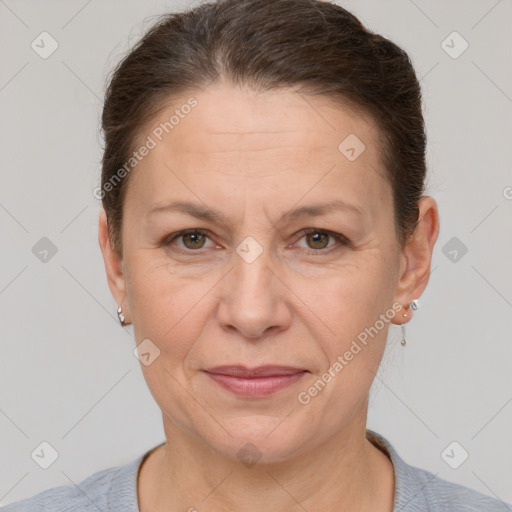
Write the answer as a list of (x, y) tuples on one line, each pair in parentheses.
[(414, 305), (403, 342), (120, 316)]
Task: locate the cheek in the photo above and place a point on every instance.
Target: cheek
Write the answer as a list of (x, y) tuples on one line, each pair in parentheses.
[(159, 303), (168, 305), (351, 302), (351, 305), (350, 296)]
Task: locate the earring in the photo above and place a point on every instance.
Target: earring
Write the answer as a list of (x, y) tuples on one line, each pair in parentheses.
[(120, 315), (414, 305), (403, 342)]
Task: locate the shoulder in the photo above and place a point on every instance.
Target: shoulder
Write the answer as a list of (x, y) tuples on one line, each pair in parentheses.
[(111, 489), (418, 490), (442, 495)]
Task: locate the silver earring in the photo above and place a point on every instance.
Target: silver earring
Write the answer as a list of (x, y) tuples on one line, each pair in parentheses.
[(120, 315), (414, 305), (403, 342)]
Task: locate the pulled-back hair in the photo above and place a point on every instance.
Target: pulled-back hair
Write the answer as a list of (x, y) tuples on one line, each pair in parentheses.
[(313, 46)]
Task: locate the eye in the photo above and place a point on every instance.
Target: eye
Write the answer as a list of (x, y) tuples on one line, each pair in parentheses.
[(193, 239), (318, 239)]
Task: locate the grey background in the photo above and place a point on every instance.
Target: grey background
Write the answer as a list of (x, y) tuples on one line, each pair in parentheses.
[(68, 374)]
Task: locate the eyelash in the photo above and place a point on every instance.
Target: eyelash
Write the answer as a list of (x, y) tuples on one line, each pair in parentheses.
[(342, 240)]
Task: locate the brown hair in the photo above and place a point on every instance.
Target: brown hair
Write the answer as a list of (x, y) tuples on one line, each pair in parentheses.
[(269, 44)]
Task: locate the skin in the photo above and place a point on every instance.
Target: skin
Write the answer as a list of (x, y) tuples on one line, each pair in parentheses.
[(253, 157)]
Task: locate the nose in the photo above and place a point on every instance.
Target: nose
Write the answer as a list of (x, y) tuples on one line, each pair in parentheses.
[(254, 299)]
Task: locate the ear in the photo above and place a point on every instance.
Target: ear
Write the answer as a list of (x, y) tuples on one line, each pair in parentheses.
[(113, 265), (416, 258)]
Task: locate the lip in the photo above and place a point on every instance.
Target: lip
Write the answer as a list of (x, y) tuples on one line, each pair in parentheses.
[(255, 382), (259, 371)]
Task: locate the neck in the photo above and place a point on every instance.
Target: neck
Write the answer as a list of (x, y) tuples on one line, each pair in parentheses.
[(345, 472)]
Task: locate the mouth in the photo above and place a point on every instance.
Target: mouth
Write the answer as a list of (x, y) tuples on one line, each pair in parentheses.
[(255, 382)]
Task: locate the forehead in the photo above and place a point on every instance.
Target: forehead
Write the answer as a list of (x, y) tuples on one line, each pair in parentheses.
[(245, 119), (277, 139)]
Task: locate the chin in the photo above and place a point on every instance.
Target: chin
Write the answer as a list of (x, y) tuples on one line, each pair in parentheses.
[(258, 438)]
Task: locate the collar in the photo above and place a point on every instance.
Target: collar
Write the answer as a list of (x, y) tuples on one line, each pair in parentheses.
[(409, 489)]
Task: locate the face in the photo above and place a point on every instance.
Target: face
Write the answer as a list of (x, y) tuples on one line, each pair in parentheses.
[(298, 260)]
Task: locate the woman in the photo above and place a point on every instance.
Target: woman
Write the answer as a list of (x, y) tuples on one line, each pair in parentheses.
[(264, 222)]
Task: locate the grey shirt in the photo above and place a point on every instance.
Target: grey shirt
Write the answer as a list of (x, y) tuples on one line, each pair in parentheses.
[(115, 489)]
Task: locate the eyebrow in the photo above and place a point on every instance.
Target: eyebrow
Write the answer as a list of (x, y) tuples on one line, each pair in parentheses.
[(207, 214)]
